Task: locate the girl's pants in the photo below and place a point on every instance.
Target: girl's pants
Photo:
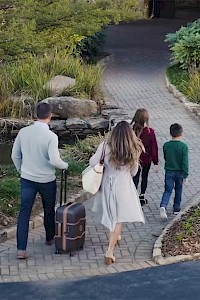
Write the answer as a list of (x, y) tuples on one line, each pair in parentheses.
[(144, 171)]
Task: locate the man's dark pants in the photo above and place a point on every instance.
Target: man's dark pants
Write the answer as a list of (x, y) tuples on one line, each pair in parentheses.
[(29, 189)]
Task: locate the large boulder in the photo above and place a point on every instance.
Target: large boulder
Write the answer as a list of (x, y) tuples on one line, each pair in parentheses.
[(69, 107), (58, 84)]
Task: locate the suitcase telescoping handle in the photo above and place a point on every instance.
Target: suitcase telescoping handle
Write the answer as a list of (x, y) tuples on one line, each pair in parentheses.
[(63, 187)]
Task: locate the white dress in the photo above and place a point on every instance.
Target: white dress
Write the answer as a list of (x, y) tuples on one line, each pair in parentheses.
[(117, 200)]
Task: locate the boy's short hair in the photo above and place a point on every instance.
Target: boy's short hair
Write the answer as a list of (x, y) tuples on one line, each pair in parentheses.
[(43, 110), (176, 130)]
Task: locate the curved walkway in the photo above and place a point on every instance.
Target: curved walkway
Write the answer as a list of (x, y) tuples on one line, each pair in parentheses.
[(134, 78)]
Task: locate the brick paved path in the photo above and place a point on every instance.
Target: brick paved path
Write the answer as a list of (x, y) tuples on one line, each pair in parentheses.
[(134, 78)]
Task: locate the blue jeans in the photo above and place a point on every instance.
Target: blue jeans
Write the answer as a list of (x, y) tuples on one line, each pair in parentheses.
[(29, 189), (173, 180)]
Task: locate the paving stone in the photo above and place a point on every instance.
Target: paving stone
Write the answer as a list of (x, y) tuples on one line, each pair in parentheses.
[(25, 278)]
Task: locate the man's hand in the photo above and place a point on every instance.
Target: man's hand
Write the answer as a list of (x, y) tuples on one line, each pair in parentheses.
[(185, 181)]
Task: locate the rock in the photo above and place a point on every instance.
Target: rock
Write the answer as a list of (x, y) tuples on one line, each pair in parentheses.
[(57, 125), (116, 111), (97, 123), (92, 132), (109, 106), (117, 118), (69, 107), (75, 123), (14, 123), (58, 84)]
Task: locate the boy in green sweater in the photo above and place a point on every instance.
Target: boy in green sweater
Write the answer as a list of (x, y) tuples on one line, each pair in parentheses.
[(176, 169)]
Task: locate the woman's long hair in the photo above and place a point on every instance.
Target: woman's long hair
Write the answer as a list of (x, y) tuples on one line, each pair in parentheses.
[(139, 120), (125, 147)]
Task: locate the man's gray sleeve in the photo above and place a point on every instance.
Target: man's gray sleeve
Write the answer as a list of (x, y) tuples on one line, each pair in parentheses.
[(54, 155), (17, 154)]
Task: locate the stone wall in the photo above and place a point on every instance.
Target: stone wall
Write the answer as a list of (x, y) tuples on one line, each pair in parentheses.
[(69, 129)]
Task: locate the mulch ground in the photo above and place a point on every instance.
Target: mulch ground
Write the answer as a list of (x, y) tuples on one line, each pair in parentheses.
[(184, 235)]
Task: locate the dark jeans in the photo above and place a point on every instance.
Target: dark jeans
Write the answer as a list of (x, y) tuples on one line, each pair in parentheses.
[(173, 180), (29, 189), (145, 172)]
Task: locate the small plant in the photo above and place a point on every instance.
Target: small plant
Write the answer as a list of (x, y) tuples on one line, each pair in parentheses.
[(191, 88), (178, 77), (180, 237), (189, 225), (10, 195), (197, 213)]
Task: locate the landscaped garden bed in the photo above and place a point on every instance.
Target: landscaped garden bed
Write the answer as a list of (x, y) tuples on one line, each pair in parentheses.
[(185, 71), (183, 237)]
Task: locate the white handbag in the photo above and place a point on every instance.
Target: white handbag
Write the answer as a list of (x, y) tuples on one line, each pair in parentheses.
[(92, 176)]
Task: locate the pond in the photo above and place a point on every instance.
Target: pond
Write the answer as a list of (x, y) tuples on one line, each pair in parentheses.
[(5, 153)]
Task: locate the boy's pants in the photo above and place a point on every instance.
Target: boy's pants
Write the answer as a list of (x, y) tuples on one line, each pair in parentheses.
[(173, 179), (29, 189)]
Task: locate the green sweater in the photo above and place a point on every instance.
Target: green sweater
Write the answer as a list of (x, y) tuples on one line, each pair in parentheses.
[(176, 156)]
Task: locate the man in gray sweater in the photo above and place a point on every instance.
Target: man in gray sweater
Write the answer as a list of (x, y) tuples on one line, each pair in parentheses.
[(35, 155)]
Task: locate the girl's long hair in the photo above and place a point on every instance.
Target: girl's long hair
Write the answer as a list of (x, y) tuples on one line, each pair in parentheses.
[(139, 120), (125, 147)]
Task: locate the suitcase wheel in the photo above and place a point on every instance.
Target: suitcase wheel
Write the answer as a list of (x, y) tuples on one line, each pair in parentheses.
[(71, 254), (58, 251), (81, 248)]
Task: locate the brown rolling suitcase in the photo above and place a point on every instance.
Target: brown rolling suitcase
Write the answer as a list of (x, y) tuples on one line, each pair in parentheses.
[(70, 223)]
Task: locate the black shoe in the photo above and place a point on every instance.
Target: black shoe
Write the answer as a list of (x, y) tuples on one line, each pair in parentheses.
[(177, 211), (143, 201)]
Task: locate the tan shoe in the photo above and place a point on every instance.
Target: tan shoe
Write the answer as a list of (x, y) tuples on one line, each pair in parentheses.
[(22, 254), (109, 258)]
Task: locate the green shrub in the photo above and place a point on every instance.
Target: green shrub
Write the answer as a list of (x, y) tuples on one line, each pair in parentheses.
[(177, 76), (40, 40), (187, 83), (185, 46), (75, 167), (192, 88), (191, 28), (82, 150), (28, 77), (35, 26)]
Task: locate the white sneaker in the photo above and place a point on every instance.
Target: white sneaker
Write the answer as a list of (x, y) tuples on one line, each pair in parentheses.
[(163, 213)]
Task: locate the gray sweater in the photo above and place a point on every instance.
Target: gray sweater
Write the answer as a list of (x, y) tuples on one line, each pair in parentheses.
[(35, 153)]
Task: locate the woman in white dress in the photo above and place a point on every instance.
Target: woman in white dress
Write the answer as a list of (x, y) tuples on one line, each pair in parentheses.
[(117, 200)]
